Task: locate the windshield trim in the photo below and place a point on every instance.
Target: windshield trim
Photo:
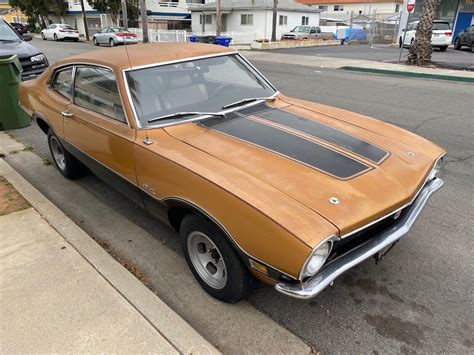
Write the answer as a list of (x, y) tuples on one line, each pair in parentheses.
[(182, 60)]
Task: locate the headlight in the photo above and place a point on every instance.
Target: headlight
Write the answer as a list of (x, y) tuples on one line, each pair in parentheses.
[(317, 259), (436, 168), (38, 58)]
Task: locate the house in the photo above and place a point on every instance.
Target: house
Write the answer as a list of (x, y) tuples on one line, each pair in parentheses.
[(11, 14), (332, 8), (253, 16)]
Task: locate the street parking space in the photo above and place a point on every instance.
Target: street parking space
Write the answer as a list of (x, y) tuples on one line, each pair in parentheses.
[(419, 299), (452, 59)]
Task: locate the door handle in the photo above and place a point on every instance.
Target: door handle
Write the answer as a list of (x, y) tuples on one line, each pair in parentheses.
[(67, 114)]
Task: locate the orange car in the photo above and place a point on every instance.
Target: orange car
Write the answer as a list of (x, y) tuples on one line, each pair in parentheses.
[(258, 185)]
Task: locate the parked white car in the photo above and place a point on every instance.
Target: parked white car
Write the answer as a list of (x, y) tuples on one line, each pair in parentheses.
[(441, 37), (59, 32)]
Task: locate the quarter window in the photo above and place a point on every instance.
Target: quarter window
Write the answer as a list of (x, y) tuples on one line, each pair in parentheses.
[(96, 89), (246, 19), (62, 83)]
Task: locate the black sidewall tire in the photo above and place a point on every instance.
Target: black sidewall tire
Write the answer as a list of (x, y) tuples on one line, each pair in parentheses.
[(43, 37), (443, 48), (239, 280), (56, 37), (94, 42), (73, 168), (457, 44), (111, 43)]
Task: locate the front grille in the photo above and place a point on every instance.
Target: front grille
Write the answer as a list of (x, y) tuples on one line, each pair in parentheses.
[(32, 68), (343, 246)]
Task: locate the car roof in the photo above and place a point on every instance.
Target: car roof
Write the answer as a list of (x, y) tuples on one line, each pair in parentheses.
[(123, 57)]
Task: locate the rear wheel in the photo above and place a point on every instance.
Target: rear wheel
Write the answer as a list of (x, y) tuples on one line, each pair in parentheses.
[(443, 48), (56, 37), (213, 260), (400, 42), (69, 166), (76, 39), (112, 42)]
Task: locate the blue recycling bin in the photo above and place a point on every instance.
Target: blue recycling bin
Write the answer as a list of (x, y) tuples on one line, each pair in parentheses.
[(192, 38), (223, 41)]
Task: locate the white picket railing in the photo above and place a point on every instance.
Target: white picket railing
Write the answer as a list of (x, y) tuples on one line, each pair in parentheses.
[(182, 35)]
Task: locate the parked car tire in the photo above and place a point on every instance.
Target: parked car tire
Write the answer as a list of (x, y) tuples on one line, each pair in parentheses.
[(411, 42), (400, 42), (112, 42), (75, 39), (457, 44), (94, 41), (213, 260), (56, 37), (43, 36), (443, 48), (69, 166)]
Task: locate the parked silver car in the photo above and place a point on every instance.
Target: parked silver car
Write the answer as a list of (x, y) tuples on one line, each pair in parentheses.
[(306, 32), (114, 36)]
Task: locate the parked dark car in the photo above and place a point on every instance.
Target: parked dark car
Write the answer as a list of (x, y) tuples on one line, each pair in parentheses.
[(465, 38), (32, 60), (19, 28)]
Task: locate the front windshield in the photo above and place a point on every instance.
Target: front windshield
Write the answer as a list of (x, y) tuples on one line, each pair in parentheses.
[(196, 85), (6, 33), (300, 29)]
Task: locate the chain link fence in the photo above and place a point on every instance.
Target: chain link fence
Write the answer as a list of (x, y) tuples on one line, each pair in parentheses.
[(380, 29)]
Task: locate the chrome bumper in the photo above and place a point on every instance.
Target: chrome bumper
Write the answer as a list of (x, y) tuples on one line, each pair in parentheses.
[(326, 276)]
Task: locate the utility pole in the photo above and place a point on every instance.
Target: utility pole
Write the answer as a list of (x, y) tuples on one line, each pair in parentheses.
[(124, 14), (144, 20), (218, 17), (85, 20), (274, 20)]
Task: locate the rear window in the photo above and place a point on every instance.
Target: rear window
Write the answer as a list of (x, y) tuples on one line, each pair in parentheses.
[(441, 26)]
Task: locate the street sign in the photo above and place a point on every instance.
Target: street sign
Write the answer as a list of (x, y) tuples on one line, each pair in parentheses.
[(411, 6)]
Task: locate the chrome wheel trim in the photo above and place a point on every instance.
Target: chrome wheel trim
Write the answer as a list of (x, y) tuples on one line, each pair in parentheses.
[(207, 260), (58, 153)]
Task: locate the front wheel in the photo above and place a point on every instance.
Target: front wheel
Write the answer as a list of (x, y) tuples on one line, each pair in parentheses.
[(43, 36), (94, 41), (69, 166), (213, 260)]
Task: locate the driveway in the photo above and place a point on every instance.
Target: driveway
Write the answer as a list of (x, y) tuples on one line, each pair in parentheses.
[(452, 58), (419, 299)]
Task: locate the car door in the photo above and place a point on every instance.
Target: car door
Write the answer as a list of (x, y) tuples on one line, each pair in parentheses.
[(57, 99), (101, 35), (50, 31), (97, 130)]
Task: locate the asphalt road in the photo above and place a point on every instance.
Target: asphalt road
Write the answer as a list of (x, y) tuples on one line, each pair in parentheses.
[(419, 299), (462, 59)]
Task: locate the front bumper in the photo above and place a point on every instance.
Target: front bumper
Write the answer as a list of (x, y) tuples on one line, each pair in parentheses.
[(313, 286)]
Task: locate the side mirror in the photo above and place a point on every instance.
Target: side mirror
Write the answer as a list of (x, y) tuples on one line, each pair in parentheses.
[(27, 37)]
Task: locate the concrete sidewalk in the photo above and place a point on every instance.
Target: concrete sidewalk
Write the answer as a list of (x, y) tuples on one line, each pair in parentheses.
[(61, 292), (360, 65)]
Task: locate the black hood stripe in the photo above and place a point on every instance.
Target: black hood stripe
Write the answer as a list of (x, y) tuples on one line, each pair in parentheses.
[(291, 146), (325, 133)]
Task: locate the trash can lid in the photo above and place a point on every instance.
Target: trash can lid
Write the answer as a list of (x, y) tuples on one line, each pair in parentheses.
[(11, 59)]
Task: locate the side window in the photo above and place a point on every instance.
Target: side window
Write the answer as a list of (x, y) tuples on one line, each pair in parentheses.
[(62, 82), (96, 89)]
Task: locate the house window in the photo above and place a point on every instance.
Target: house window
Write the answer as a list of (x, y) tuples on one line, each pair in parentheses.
[(304, 20), (283, 20), (207, 18), (338, 7), (323, 7), (246, 19)]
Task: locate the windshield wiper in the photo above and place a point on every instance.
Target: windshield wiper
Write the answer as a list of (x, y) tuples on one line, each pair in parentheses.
[(250, 99), (185, 114)]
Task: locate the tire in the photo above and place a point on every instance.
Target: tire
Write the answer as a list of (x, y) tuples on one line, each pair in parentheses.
[(111, 42), (411, 42), (56, 37), (43, 36), (94, 41), (69, 166), (443, 48), (76, 39), (400, 42), (457, 44), (213, 260)]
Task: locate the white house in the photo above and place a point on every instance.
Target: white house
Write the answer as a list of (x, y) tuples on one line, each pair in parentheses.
[(358, 7), (253, 16)]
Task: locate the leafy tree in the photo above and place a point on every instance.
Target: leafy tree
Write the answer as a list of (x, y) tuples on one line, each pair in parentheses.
[(58, 8), (36, 10), (420, 51)]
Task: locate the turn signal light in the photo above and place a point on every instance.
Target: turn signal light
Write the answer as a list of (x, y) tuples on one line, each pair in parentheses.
[(257, 266)]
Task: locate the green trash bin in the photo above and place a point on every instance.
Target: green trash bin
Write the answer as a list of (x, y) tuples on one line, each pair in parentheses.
[(11, 114)]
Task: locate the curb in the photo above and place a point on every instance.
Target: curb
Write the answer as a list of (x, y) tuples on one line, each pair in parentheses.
[(168, 323), (408, 74)]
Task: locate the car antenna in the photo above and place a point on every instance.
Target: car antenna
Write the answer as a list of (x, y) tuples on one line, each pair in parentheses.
[(147, 140)]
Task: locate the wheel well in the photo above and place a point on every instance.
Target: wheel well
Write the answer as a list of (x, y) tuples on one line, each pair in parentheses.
[(176, 214), (42, 124)]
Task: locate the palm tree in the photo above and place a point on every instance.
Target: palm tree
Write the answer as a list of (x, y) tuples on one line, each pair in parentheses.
[(420, 51), (274, 19)]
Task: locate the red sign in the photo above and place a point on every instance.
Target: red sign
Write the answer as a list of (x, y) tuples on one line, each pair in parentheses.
[(411, 6)]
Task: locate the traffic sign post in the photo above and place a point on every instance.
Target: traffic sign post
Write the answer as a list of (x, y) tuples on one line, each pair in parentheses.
[(410, 8)]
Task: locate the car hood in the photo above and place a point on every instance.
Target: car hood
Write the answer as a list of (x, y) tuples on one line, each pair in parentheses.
[(20, 48), (349, 169)]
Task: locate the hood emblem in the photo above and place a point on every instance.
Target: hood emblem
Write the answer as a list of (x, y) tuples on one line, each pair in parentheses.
[(411, 154), (334, 200)]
